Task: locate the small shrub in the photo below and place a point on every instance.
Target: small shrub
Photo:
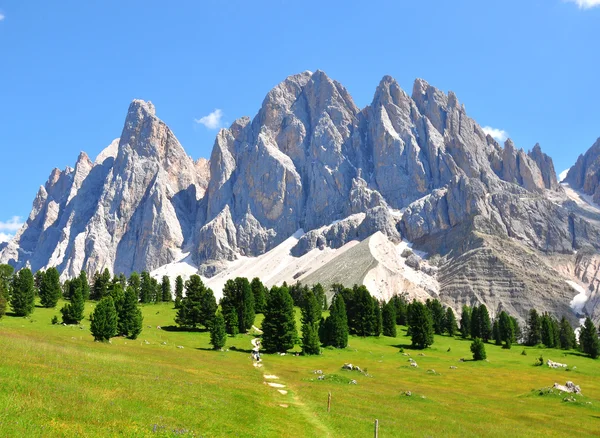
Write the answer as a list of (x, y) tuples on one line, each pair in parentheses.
[(523, 353), (478, 349), (55, 320), (539, 362)]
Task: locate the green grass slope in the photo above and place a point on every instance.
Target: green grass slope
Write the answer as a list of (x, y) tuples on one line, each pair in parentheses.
[(56, 381)]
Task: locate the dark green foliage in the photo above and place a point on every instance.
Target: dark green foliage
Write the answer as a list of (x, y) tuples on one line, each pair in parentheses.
[(378, 318), (297, 291), (85, 285), (260, 295), (155, 291), (37, 281), (567, 339), (401, 305), (6, 277), (54, 320), (72, 313), (475, 323), (588, 339), (485, 323), (218, 335), (437, 315), (279, 325), (320, 295), (130, 315), (506, 329), (496, 333), (22, 300), (231, 321), (101, 282), (478, 349), (50, 288), (465, 322), (420, 325), (517, 334), (146, 288), (104, 320), (166, 289), (3, 304), (116, 292), (136, 283), (335, 328), (388, 316), (450, 325), (363, 321), (238, 294), (310, 339), (178, 291), (548, 338), (199, 305), (311, 317), (534, 329)]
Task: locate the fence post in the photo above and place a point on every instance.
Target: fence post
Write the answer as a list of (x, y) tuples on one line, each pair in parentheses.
[(329, 402), (376, 428)]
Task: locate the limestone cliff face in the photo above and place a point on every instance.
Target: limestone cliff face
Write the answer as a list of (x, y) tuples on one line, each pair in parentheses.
[(585, 174)]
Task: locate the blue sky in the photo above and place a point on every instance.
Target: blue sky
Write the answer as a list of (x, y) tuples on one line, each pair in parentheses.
[(69, 69)]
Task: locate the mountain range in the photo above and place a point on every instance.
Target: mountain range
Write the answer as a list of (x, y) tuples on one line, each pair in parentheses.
[(408, 195)]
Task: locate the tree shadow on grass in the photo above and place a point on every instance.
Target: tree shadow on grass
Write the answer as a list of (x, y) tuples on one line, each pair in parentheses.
[(232, 348), (174, 328), (575, 353)]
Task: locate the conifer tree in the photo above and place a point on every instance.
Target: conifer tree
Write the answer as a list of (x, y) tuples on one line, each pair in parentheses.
[(389, 319), (534, 329), (259, 292), (50, 288), (378, 318), (517, 334), (496, 333), (136, 283), (22, 300), (465, 322), (166, 289), (320, 295), (85, 285), (485, 323), (547, 331), (506, 329), (3, 302), (450, 325), (231, 321), (279, 325), (437, 315), (420, 325), (567, 339), (478, 349), (218, 335), (72, 313), (104, 320), (311, 316), (475, 323), (178, 291), (116, 292), (199, 305), (363, 321), (335, 327), (130, 315), (588, 339), (238, 294), (401, 305), (6, 278), (100, 288), (146, 287)]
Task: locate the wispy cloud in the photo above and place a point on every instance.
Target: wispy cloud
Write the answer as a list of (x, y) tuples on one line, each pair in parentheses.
[(211, 121), (497, 134), (585, 4), (11, 225), (2, 16), (5, 237)]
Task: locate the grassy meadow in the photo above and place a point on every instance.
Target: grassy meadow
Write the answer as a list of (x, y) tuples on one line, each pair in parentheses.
[(56, 381)]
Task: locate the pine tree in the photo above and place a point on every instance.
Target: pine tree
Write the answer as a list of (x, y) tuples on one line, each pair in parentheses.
[(155, 291), (37, 281), (166, 289), (478, 349), (437, 315), (475, 323), (100, 287), (259, 292), (231, 321), (3, 302), (567, 338), (50, 288), (506, 329), (199, 305), (178, 291), (136, 283), (238, 294), (116, 292), (378, 318), (465, 322), (363, 321), (335, 327), (320, 295), (496, 333), (6, 278), (72, 313), (547, 331), (534, 329), (104, 320), (389, 319), (401, 305), (450, 325), (130, 315), (310, 339), (218, 335), (517, 334), (22, 300), (85, 285), (420, 325), (588, 338), (485, 323), (279, 325), (311, 316), (145, 287)]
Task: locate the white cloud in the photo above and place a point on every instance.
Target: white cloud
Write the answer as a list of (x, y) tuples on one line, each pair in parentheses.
[(5, 237), (585, 4), (497, 134), (211, 121), (1, 16), (563, 174), (12, 225)]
